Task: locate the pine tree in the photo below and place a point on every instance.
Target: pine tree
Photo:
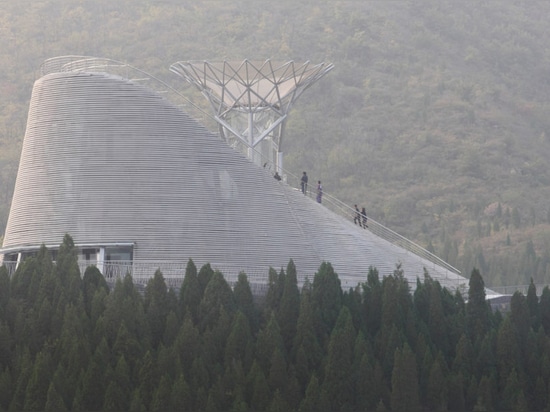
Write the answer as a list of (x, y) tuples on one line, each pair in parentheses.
[(6, 388), (544, 309), (269, 339), (372, 301), (404, 394), (533, 306), (92, 281), (260, 389), (54, 402), (437, 323), (94, 381), (326, 299), (190, 292), (217, 295), (289, 308), (477, 310), (275, 289), (162, 396), (37, 389), (187, 343), (147, 379), (180, 397), (5, 291), (306, 350), (311, 401), (239, 342), (338, 382), (67, 268), (155, 307), (244, 301), (437, 391), (171, 329), (484, 400), (205, 274), (508, 352)]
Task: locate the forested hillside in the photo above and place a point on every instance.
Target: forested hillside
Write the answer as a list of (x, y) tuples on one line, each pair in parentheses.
[(69, 342), (434, 118)]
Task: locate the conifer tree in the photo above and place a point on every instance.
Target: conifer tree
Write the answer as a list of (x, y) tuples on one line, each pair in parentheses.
[(180, 397), (275, 289), (94, 381), (269, 339), (311, 400), (92, 281), (155, 306), (477, 310), (147, 379), (277, 377), (5, 344), (171, 329), (437, 391), (7, 388), (508, 351), (544, 309), (205, 274), (244, 301), (67, 268), (190, 292), (23, 371), (54, 402), (533, 305), (326, 299), (306, 349), (239, 343), (37, 389), (437, 323), (338, 382), (260, 389), (5, 291), (289, 308), (217, 296), (372, 301), (187, 343), (162, 396), (520, 316), (404, 382)]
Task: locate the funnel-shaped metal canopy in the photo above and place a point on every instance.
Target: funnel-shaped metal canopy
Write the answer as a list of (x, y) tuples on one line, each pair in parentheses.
[(251, 99)]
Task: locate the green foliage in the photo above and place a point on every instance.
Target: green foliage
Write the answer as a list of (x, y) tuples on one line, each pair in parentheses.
[(386, 348)]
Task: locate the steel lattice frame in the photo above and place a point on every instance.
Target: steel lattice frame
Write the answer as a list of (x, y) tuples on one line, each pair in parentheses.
[(251, 100)]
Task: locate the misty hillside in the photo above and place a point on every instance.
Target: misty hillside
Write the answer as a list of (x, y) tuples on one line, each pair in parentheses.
[(434, 118)]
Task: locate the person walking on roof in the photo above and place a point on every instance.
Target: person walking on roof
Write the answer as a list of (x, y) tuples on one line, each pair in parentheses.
[(364, 216), (357, 218), (304, 183)]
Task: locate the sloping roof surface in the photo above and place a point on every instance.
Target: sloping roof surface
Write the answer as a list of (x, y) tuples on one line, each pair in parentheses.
[(107, 160)]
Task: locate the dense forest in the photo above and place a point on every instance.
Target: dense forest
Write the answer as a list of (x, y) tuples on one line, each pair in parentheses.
[(72, 342), (434, 118)]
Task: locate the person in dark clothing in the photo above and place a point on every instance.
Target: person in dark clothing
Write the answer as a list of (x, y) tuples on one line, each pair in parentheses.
[(364, 216), (304, 183), (357, 218), (276, 176), (319, 192)]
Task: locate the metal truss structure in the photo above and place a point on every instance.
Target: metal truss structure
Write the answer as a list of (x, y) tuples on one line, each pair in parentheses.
[(251, 100)]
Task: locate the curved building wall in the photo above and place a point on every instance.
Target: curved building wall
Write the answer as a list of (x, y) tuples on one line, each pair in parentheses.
[(109, 161)]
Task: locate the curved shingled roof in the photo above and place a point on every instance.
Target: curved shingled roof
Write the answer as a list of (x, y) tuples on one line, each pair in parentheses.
[(109, 161)]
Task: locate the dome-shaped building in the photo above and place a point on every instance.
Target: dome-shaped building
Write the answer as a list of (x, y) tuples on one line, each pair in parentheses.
[(140, 185)]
